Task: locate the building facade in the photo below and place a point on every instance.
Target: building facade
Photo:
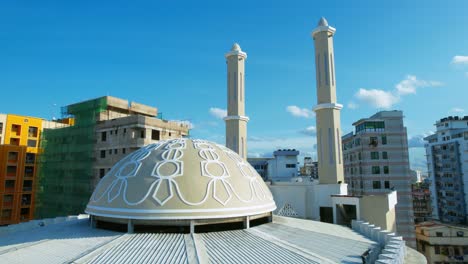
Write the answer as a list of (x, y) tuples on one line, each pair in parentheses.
[(447, 157), (281, 167), (442, 243), (105, 129), (309, 168), (19, 148), (422, 204), (376, 161)]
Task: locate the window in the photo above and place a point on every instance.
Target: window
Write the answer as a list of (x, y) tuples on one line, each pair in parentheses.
[(360, 170), (12, 157), (32, 131), (30, 158), (155, 135), (385, 169), (459, 233), (290, 165), (103, 154), (387, 184), (11, 171), (142, 134), (32, 143), (103, 136), (29, 171), (14, 141), (125, 131), (110, 151), (384, 155), (359, 156), (27, 186), (102, 172), (357, 142), (376, 184), (115, 151), (437, 250), (374, 155), (373, 141), (439, 234), (123, 151), (375, 170), (384, 140), (16, 129)]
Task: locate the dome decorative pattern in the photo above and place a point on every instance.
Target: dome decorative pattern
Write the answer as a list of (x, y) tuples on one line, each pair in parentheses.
[(181, 179)]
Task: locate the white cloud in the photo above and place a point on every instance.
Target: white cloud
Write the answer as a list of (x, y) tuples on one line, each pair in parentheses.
[(300, 112), (457, 110), (352, 105), (377, 98), (386, 99), (309, 131), (218, 112), (411, 83), (460, 60), (417, 141)]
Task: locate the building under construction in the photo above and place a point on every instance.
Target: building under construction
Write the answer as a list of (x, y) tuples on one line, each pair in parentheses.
[(74, 158)]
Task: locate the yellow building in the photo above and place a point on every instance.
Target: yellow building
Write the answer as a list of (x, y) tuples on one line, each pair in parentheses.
[(18, 151), (442, 243)]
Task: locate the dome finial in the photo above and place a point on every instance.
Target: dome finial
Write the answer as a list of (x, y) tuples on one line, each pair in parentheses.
[(323, 22), (235, 47)]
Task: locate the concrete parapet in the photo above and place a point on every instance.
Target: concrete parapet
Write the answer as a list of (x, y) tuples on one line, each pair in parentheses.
[(394, 248)]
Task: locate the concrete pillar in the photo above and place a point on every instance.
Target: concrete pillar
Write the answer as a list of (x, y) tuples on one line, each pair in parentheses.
[(247, 222), (192, 227), (130, 227)]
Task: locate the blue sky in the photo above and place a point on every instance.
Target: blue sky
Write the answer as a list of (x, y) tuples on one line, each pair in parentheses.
[(403, 55)]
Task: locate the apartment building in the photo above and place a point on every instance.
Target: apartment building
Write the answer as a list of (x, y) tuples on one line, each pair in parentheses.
[(422, 204), (447, 161), (376, 161), (442, 243), (105, 129), (18, 153)]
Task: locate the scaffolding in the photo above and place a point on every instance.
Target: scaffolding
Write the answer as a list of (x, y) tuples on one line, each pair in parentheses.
[(66, 163)]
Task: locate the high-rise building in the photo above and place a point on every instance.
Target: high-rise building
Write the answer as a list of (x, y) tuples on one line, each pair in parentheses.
[(422, 205), (105, 129), (447, 155), (18, 153), (376, 161), (236, 121)]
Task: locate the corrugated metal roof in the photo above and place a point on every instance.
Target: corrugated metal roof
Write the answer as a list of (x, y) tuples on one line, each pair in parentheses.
[(285, 240)]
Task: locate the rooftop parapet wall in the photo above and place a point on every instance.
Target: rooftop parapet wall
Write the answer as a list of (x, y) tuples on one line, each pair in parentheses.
[(394, 248)]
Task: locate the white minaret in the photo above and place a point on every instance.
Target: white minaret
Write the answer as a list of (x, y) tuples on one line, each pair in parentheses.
[(236, 121), (327, 110)]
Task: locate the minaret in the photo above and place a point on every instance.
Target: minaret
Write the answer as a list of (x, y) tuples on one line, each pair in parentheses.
[(236, 121), (327, 110)]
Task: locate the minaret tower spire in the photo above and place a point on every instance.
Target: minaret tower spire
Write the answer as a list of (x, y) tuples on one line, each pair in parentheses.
[(236, 121), (327, 110)]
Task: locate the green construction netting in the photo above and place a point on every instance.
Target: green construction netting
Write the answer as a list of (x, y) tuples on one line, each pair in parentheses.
[(65, 176)]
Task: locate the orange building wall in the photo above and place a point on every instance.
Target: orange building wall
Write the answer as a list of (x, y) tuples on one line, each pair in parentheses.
[(16, 187), (22, 136), (19, 131)]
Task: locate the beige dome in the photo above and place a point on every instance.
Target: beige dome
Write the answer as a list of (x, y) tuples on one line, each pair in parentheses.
[(181, 179)]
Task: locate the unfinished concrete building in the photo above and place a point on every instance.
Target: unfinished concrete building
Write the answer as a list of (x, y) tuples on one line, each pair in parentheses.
[(75, 158)]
